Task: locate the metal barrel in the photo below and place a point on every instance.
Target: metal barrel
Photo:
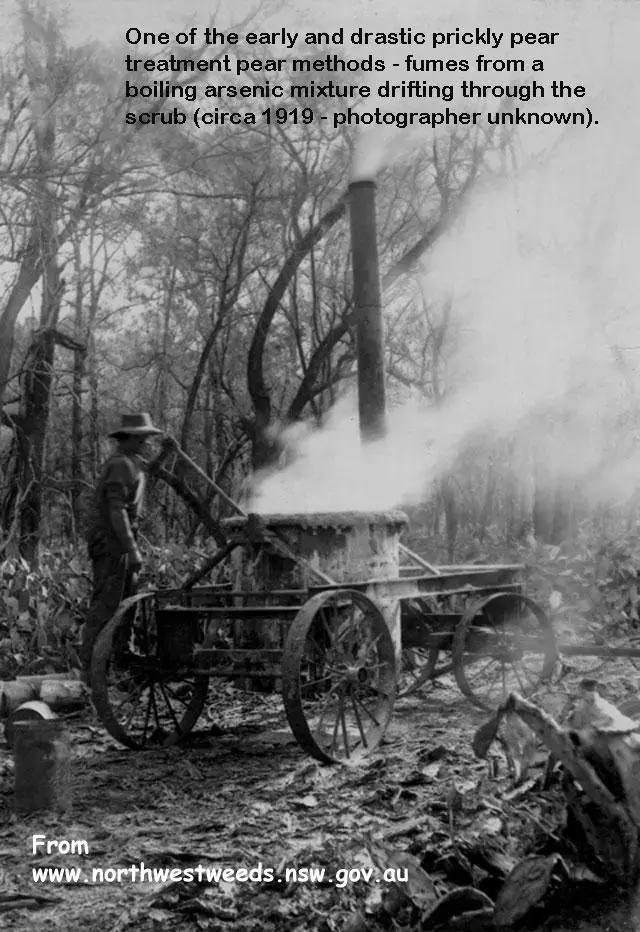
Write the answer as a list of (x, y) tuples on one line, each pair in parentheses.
[(42, 766), (28, 711)]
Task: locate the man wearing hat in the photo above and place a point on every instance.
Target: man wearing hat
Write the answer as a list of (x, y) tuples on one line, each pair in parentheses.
[(113, 523)]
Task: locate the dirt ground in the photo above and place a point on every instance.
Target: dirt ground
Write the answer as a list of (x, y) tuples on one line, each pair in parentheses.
[(240, 793)]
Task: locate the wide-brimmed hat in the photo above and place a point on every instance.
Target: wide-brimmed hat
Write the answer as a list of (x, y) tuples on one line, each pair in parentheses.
[(135, 425)]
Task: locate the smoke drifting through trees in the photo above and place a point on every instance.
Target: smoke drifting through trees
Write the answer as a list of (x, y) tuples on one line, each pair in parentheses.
[(543, 285), (229, 251)]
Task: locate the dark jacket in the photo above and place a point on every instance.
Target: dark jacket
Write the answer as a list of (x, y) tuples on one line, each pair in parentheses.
[(116, 507)]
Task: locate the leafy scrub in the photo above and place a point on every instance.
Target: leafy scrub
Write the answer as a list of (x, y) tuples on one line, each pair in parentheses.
[(241, 793), (40, 611)]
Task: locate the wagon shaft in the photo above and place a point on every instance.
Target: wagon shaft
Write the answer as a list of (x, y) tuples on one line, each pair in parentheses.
[(598, 650)]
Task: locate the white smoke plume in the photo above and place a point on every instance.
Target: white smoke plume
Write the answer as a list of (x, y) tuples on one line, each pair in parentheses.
[(544, 276)]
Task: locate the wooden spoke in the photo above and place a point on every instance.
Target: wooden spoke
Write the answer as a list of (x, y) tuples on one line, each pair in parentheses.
[(502, 644), (133, 691), (339, 644)]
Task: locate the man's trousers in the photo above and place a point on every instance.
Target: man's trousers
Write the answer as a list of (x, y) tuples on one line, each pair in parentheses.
[(113, 581)]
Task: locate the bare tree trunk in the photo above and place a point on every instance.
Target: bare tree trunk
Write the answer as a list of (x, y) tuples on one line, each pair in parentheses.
[(487, 504), (563, 526), (543, 503), (450, 515), (34, 419), (263, 448), (30, 269), (76, 403), (94, 413), (163, 376), (76, 438), (96, 286), (41, 257), (32, 431)]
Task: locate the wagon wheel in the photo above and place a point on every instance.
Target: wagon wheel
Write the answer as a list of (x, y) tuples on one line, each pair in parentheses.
[(419, 665), (141, 703), (502, 644), (339, 676)]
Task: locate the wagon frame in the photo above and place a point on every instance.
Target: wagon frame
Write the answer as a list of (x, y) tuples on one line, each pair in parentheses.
[(333, 654)]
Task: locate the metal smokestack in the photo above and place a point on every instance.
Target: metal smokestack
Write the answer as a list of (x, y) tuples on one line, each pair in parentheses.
[(368, 309)]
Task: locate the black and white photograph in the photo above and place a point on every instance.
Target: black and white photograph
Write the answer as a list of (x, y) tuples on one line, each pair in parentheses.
[(319, 466)]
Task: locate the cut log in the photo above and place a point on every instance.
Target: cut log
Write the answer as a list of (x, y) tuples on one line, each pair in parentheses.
[(13, 694), (61, 694), (39, 678)]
